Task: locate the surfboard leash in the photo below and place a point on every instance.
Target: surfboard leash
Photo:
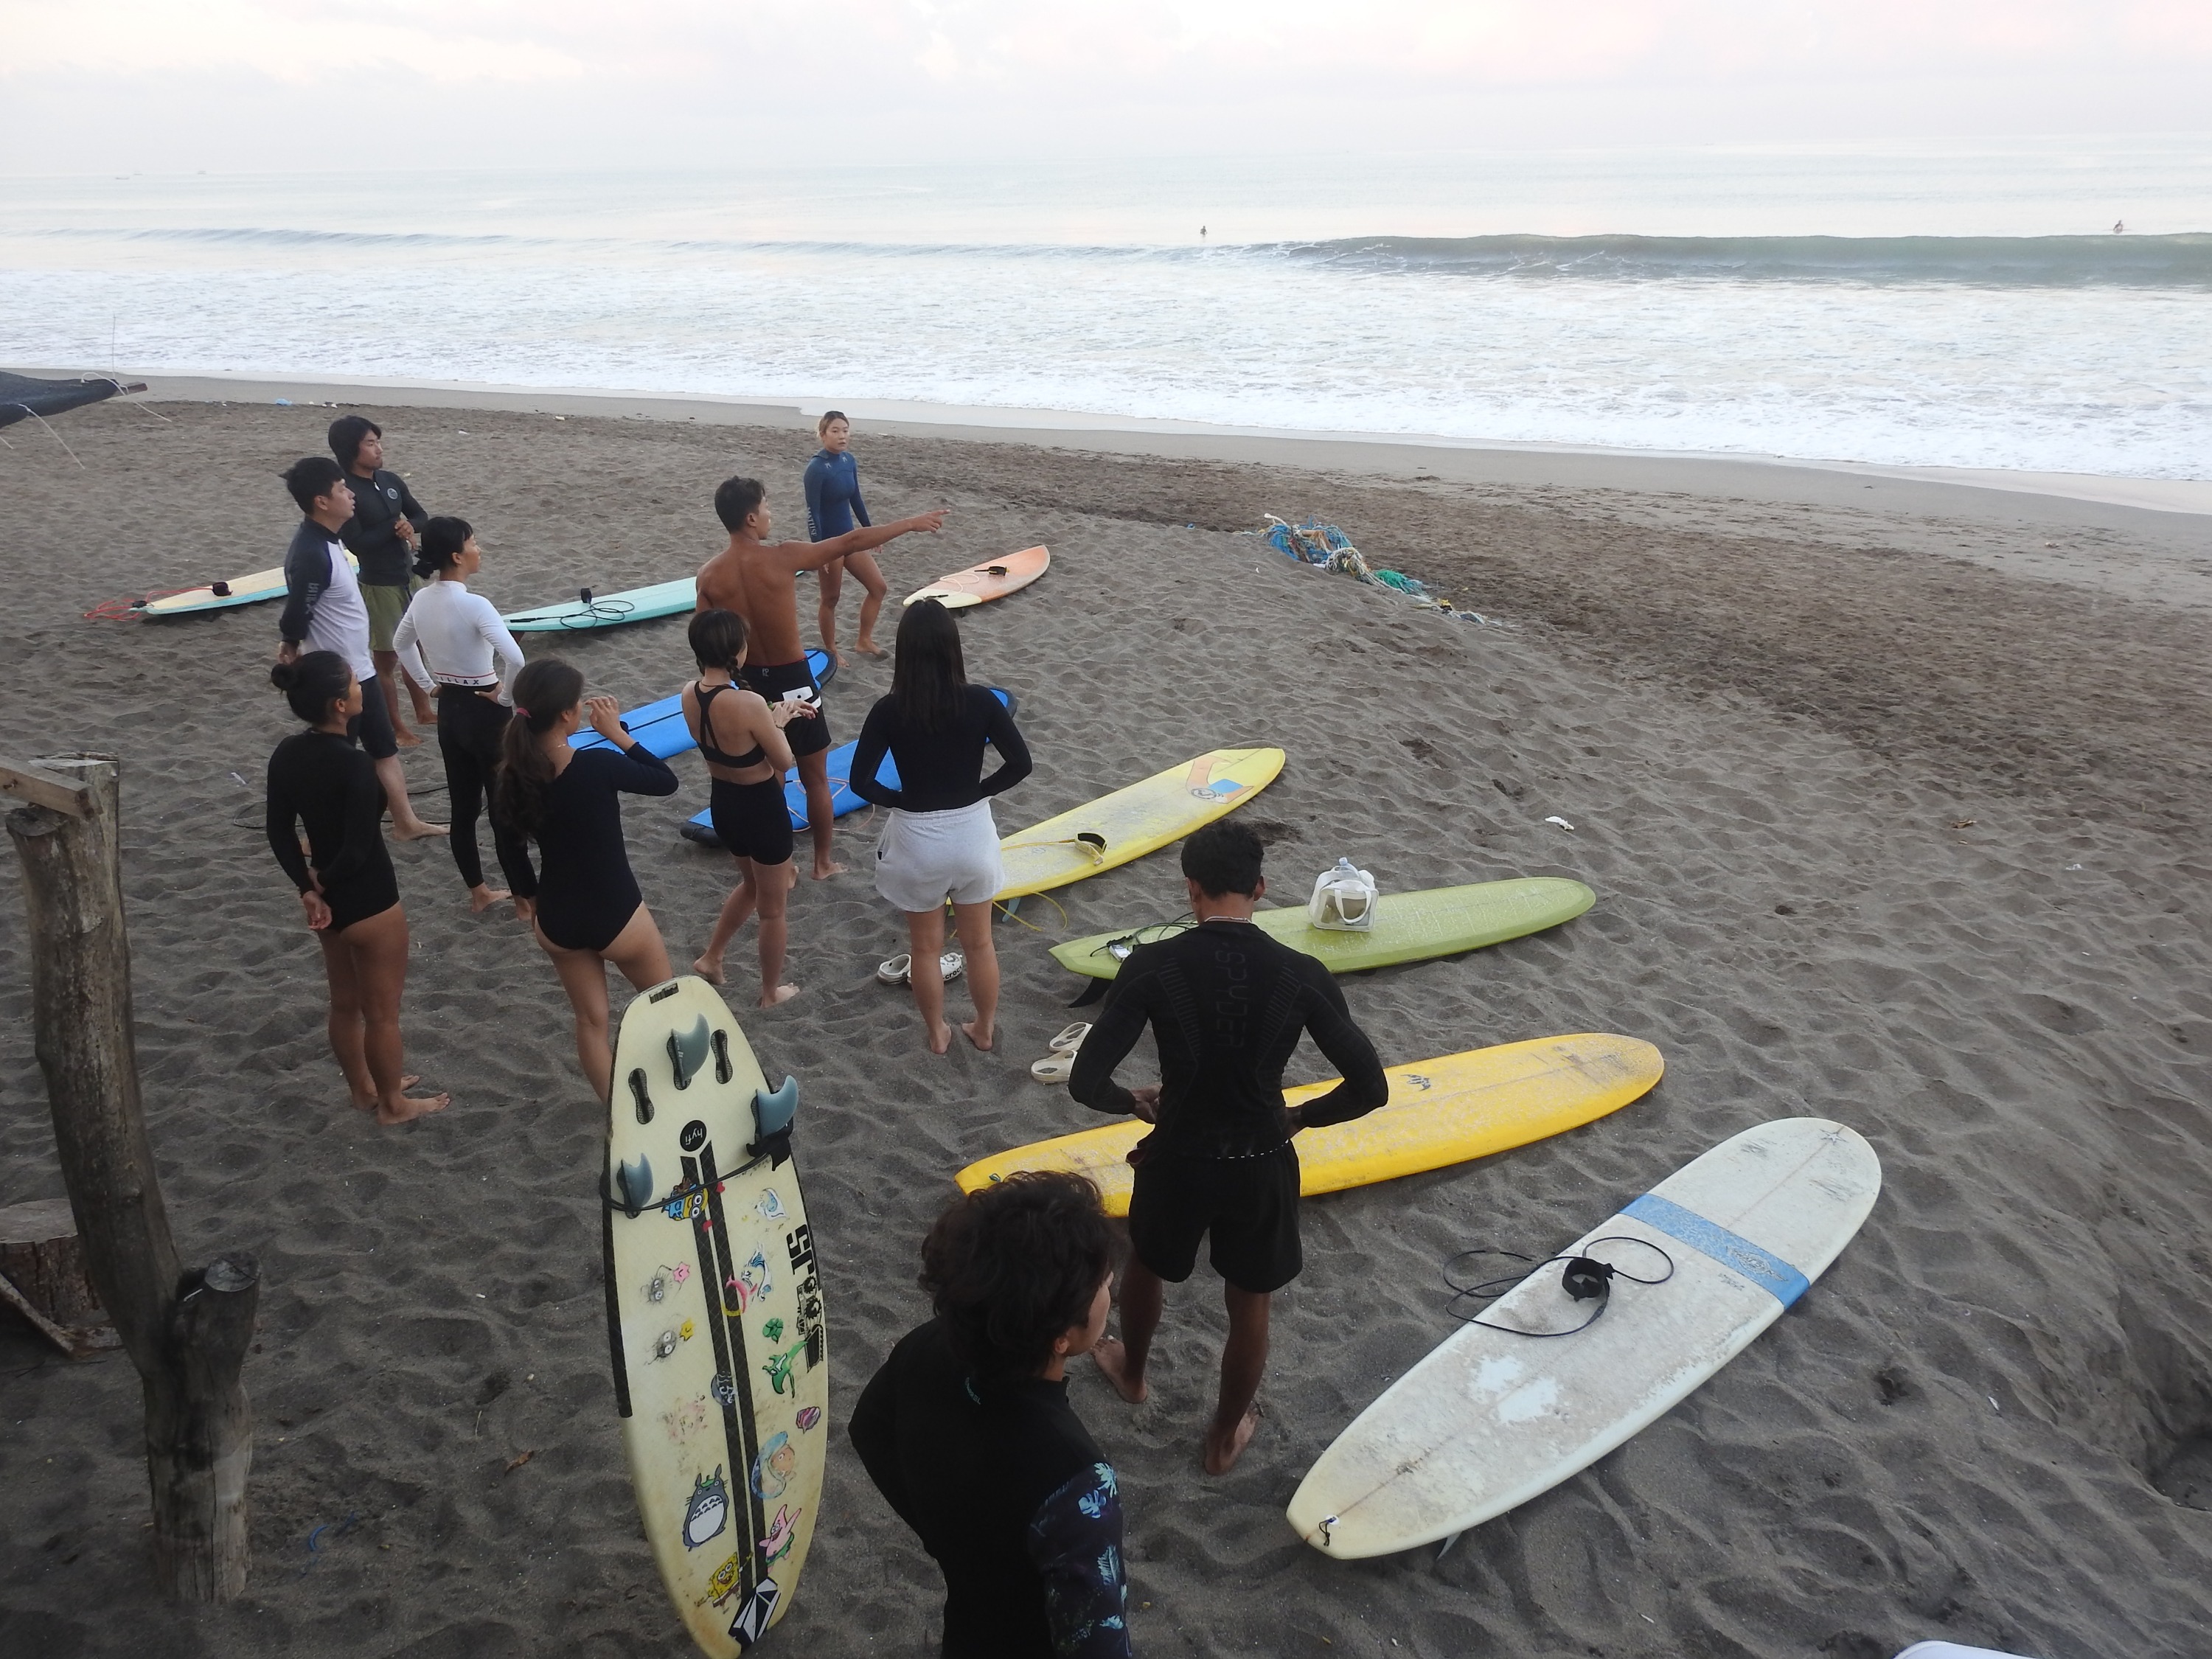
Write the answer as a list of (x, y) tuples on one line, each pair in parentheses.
[(1585, 1279)]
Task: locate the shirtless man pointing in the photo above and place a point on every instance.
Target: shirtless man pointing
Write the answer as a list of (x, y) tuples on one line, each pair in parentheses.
[(753, 577)]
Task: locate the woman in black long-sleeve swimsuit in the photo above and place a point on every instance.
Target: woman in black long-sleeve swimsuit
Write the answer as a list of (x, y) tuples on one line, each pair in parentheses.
[(320, 779), (589, 911)]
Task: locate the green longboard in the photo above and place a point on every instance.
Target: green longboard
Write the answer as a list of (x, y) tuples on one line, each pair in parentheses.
[(1438, 922), (608, 610)]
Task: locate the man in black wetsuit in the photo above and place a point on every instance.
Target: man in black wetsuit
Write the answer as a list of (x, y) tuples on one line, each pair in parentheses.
[(381, 534), (1227, 1004), (967, 1432)]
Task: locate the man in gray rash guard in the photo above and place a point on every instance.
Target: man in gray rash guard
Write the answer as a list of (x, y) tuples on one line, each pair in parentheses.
[(1227, 1004)]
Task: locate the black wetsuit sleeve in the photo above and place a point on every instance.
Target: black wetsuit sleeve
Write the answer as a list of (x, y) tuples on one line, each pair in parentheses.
[(409, 509), (638, 771), (1119, 1025), (1074, 1542), (818, 506), (1328, 1022), (875, 740), (283, 835), (874, 1434), (1014, 762), (307, 574)]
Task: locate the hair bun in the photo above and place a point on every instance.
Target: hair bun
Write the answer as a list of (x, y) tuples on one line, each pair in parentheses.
[(284, 676)]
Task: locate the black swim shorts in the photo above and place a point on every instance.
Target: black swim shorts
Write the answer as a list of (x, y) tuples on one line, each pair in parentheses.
[(1249, 1205), (373, 725), (750, 819), (777, 681)]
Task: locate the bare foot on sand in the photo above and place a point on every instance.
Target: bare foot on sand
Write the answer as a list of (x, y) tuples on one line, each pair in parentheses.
[(940, 1037), (982, 1041), (1112, 1362), (781, 994), (418, 830), (408, 1108), (708, 968), (869, 648), (405, 738), (1222, 1451), (525, 909), (481, 899), (368, 1103), (823, 871)]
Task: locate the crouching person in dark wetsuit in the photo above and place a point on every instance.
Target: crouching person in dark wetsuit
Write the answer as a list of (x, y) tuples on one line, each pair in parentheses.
[(1227, 1004), (967, 1433)]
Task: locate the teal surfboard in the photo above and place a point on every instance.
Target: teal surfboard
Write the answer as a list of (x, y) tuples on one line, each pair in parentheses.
[(589, 610)]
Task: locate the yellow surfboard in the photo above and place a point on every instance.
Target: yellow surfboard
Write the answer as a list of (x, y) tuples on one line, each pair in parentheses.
[(1441, 1111), (1128, 823), (250, 589), (984, 582)]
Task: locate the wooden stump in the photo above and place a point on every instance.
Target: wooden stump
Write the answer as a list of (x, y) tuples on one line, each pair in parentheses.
[(43, 1277)]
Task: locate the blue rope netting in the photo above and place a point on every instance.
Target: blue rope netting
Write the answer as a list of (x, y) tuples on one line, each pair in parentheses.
[(1327, 547)]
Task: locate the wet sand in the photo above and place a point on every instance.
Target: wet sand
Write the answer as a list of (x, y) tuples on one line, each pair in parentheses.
[(1893, 793)]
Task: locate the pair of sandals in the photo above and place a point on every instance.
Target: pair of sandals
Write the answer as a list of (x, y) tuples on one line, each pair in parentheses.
[(899, 970), (1058, 1065)]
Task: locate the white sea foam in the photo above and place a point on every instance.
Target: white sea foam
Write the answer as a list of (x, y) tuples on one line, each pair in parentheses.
[(1880, 308)]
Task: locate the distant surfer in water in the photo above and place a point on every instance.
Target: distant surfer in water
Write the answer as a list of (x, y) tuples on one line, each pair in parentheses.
[(1227, 1004), (754, 577), (740, 735), (833, 505), (967, 1433), (318, 778), (941, 841), (589, 911)]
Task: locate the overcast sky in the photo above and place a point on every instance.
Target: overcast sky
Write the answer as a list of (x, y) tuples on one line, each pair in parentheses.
[(91, 86)]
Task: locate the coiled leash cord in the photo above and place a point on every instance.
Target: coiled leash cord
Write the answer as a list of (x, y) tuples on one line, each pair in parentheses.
[(1585, 1279)]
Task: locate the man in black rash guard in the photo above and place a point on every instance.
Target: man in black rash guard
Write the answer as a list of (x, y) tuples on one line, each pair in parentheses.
[(1226, 1004), (967, 1432), (382, 534)]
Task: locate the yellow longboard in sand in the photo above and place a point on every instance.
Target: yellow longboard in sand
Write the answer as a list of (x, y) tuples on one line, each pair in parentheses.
[(721, 1368), (993, 580), (1441, 1111), (1130, 823)]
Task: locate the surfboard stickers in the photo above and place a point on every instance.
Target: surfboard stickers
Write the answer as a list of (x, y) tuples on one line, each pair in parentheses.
[(1110, 831), (659, 726), (842, 800), (1434, 921), (1492, 1418), (993, 579), (1441, 1112), (589, 610), (249, 589), (715, 1316)]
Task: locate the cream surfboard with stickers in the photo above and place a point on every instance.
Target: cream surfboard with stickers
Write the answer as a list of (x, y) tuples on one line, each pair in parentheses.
[(714, 1315)]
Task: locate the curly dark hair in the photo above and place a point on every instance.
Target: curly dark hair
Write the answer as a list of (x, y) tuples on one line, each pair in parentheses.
[(1011, 1267)]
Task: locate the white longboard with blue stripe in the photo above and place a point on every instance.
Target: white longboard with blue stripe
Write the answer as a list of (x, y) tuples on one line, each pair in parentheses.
[(1494, 1418)]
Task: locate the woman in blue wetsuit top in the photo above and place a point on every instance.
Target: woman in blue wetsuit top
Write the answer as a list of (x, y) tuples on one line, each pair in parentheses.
[(589, 909), (833, 506)]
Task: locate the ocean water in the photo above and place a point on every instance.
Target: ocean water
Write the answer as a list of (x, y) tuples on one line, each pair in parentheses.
[(1962, 306)]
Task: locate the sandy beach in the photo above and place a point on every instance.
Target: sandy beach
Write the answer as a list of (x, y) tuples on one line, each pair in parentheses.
[(1892, 791)]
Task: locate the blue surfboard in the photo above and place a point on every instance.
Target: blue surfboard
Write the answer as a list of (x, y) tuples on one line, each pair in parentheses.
[(660, 727), (842, 800)]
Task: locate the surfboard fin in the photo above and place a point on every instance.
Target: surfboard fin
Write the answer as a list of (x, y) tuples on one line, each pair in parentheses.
[(688, 1050), (772, 1115), (633, 1183)]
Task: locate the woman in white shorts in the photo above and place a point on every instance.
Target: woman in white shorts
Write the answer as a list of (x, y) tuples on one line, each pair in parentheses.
[(941, 841)]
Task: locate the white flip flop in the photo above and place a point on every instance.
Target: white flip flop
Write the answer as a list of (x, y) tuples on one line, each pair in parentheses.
[(899, 969), (1058, 1069), (1071, 1038)]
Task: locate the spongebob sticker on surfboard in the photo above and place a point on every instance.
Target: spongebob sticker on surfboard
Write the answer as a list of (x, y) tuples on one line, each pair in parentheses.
[(714, 1315)]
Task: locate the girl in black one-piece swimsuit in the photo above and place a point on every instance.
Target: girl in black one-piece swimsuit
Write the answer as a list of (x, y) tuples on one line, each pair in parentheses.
[(589, 911), (320, 779)]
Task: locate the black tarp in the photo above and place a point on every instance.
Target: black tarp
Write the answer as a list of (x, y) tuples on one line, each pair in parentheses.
[(20, 395)]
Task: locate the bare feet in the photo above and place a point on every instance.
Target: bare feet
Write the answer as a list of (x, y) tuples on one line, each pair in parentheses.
[(781, 994), (823, 871), (405, 738), (481, 899), (367, 1102), (708, 968), (418, 829), (404, 1109), (869, 648), (1222, 1451), (940, 1037), (525, 909), (980, 1040), (1112, 1362)]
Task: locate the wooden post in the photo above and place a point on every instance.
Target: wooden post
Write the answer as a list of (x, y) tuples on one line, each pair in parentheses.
[(187, 1334)]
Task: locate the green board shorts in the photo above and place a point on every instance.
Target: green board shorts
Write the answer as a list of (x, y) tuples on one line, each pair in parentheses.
[(386, 605)]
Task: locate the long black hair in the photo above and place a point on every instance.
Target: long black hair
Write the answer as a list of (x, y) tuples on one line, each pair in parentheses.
[(1012, 1265), (312, 683), (929, 673), (544, 691), (443, 539), (718, 639)]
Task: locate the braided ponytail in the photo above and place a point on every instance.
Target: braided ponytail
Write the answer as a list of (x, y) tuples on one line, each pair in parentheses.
[(544, 691)]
